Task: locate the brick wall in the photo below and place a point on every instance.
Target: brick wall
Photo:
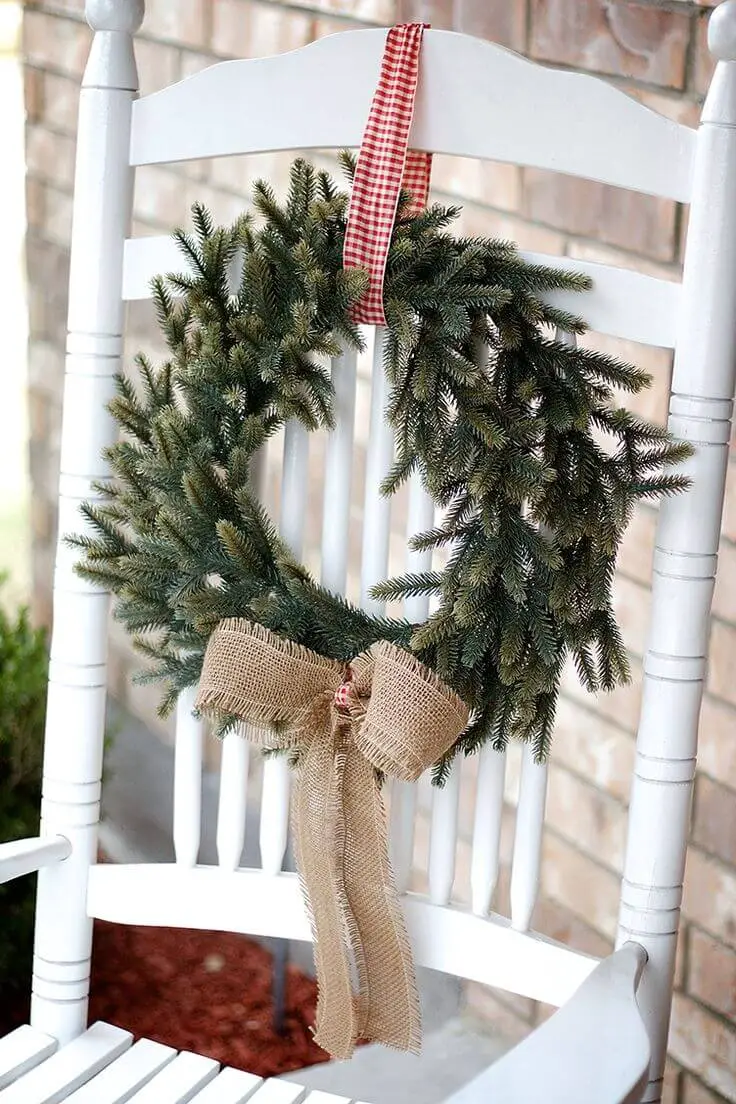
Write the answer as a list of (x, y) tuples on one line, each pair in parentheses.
[(654, 49)]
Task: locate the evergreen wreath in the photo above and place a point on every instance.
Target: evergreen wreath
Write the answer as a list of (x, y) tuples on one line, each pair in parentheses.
[(517, 437)]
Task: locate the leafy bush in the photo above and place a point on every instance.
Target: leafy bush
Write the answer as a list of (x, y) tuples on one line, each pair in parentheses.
[(23, 671)]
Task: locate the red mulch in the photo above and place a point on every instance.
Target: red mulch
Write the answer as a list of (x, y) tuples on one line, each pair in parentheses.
[(209, 992)]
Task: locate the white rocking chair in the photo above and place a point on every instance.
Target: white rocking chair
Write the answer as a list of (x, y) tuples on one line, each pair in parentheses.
[(607, 1044)]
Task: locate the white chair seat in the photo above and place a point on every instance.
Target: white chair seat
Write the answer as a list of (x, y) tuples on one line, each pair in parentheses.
[(105, 1066)]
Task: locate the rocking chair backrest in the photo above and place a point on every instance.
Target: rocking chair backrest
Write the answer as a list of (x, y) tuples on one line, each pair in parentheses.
[(475, 99)]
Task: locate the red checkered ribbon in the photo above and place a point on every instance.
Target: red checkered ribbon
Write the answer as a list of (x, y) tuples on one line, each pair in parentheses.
[(385, 164), (344, 692)]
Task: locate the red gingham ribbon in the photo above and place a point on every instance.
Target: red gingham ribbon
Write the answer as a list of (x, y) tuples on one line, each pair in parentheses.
[(344, 692), (382, 162)]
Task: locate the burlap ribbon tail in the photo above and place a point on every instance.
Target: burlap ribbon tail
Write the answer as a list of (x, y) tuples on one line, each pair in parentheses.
[(384, 711)]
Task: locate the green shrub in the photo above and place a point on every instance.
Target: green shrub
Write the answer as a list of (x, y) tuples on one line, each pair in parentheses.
[(23, 671)]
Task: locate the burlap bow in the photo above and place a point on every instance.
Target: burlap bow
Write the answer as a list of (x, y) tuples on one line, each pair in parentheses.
[(384, 711)]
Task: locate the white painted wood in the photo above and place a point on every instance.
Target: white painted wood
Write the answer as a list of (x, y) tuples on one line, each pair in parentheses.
[(231, 1086), (119, 1081), (179, 1081), (274, 826), (279, 1092), (530, 115), (420, 517), (319, 1097), (484, 863), (338, 476), (527, 858), (187, 779), (275, 794), (77, 672), (72, 1066), (402, 814), (22, 1050), (443, 837), (621, 303), (295, 481), (376, 508), (449, 939), (232, 806), (703, 381), (19, 857), (594, 1049)]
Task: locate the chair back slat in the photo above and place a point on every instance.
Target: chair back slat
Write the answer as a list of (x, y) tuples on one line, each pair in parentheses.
[(338, 476), (488, 817), (402, 818), (420, 517), (443, 838), (622, 303), (275, 795), (274, 823), (376, 508), (527, 856), (531, 115), (187, 780), (294, 484), (233, 799)]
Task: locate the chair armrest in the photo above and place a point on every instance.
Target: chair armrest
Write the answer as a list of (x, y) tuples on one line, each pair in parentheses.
[(595, 1048), (25, 856)]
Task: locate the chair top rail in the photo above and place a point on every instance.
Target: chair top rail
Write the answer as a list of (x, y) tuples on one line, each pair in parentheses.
[(622, 303), (450, 939), (475, 99)]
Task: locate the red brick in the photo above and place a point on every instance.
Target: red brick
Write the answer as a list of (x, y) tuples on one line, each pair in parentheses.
[(503, 23), (711, 974), (703, 63), (695, 1092), (54, 41), (724, 596), (579, 884), (557, 922), (158, 65), (50, 155), (58, 217), (703, 1044), (484, 181), (596, 749), (383, 12), (244, 28), (671, 1085), (637, 547), (729, 508), (643, 224), (60, 102), (33, 93), (627, 40), (709, 898), (437, 12), (620, 706), (35, 201), (722, 662), (586, 817), (185, 22), (716, 745), (631, 602), (714, 818)]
